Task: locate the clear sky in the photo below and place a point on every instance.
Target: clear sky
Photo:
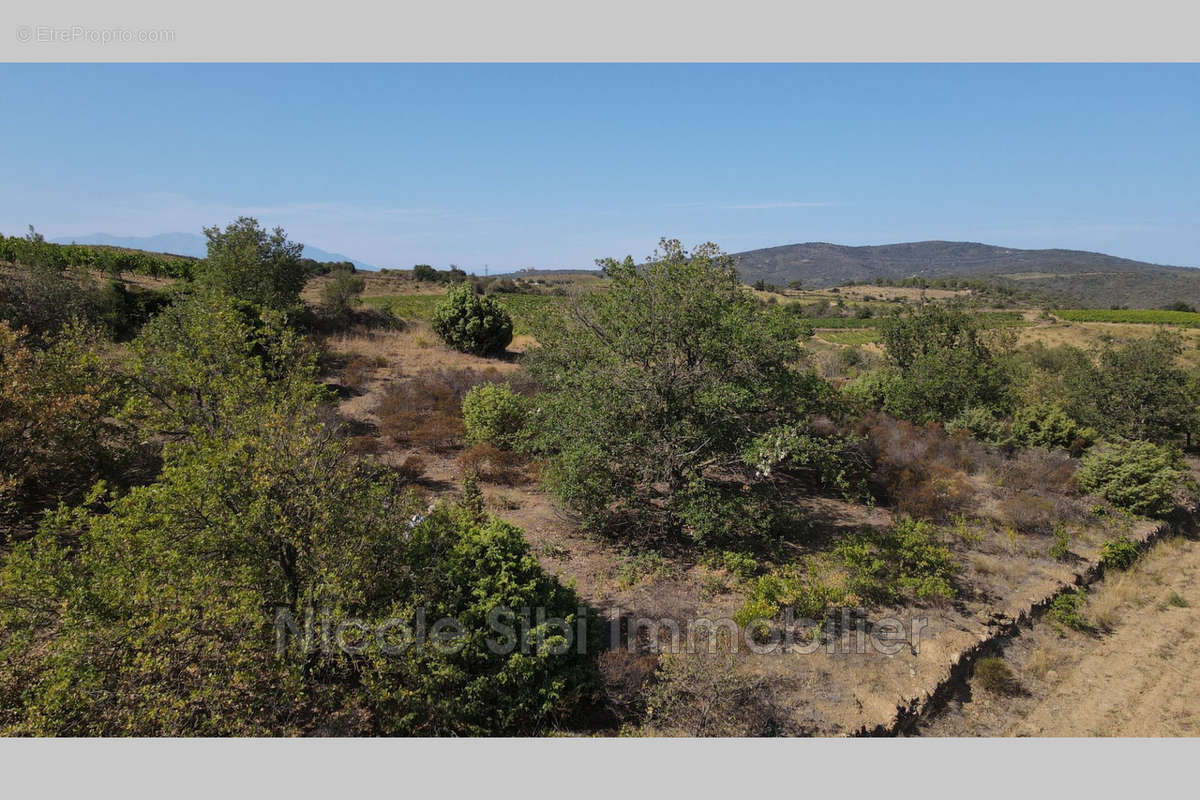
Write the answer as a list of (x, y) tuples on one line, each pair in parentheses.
[(556, 165)]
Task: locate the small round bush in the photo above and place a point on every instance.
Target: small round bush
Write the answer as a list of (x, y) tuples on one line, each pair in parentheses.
[(1119, 553), (495, 414), (1139, 477), (994, 676), (472, 323)]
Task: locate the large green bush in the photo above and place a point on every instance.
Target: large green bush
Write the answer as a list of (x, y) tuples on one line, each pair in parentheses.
[(495, 414), (158, 611), (472, 323), (656, 392), (1139, 477)]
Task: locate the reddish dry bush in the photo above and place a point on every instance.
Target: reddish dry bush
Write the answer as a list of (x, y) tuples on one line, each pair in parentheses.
[(1041, 470), (493, 465), (1028, 513), (921, 469), (411, 469), (425, 410), (357, 373)]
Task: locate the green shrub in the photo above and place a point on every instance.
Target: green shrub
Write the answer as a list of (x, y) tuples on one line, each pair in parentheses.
[(980, 422), (1047, 425), (1062, 542), (1067, 610), (1139, 477), (806, 594), (495, 414), (993, 675), (740, 565), (1119, 553), (472, 323), (945, 361), (905, 559)]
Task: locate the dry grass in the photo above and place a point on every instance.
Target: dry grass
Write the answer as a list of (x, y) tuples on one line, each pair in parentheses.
[(1089, 334)]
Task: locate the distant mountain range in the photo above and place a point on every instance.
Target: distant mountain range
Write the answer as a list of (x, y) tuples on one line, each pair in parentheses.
[(188, 244), (1078, 276)]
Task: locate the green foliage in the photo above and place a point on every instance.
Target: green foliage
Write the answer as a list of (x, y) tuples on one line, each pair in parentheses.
[(905, 559), (472, 323), (982, 423), (250, 264), (1061, 544), (945, 365), (1047, 425), (207, 363), (804, 592), (1067, 609), (1134, 389), (34, 251), (1118, 553), (57, 435), (340, 293), (1144, 316), (654, 390), (829, 461), (151, 612), (1139, 477), (494, 413), (741, 565)]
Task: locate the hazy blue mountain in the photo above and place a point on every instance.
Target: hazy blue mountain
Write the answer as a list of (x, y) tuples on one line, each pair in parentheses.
[(188, 244)]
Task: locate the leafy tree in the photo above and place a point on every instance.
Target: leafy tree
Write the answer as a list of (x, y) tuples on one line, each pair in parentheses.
[(424, 272), (944, 363), (248, 263), (1133, 389), (655, 388), (472, 323), (1139, 392)]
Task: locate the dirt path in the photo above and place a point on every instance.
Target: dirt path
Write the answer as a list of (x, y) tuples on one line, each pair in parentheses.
[(1138, 675)]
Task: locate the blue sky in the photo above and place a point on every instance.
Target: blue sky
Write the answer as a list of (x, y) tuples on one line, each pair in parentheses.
[(556, 165)]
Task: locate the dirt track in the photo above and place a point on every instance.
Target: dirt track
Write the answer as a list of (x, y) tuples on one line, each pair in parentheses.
[(1137, 676)]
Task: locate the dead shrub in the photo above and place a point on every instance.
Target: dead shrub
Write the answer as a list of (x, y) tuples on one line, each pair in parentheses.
[(706, 695), (411, 469), (357, 373), (921, 469), (493, 465), (425, 410), (1039, 469), (624, 676), (1028, 513), (363, 445)]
